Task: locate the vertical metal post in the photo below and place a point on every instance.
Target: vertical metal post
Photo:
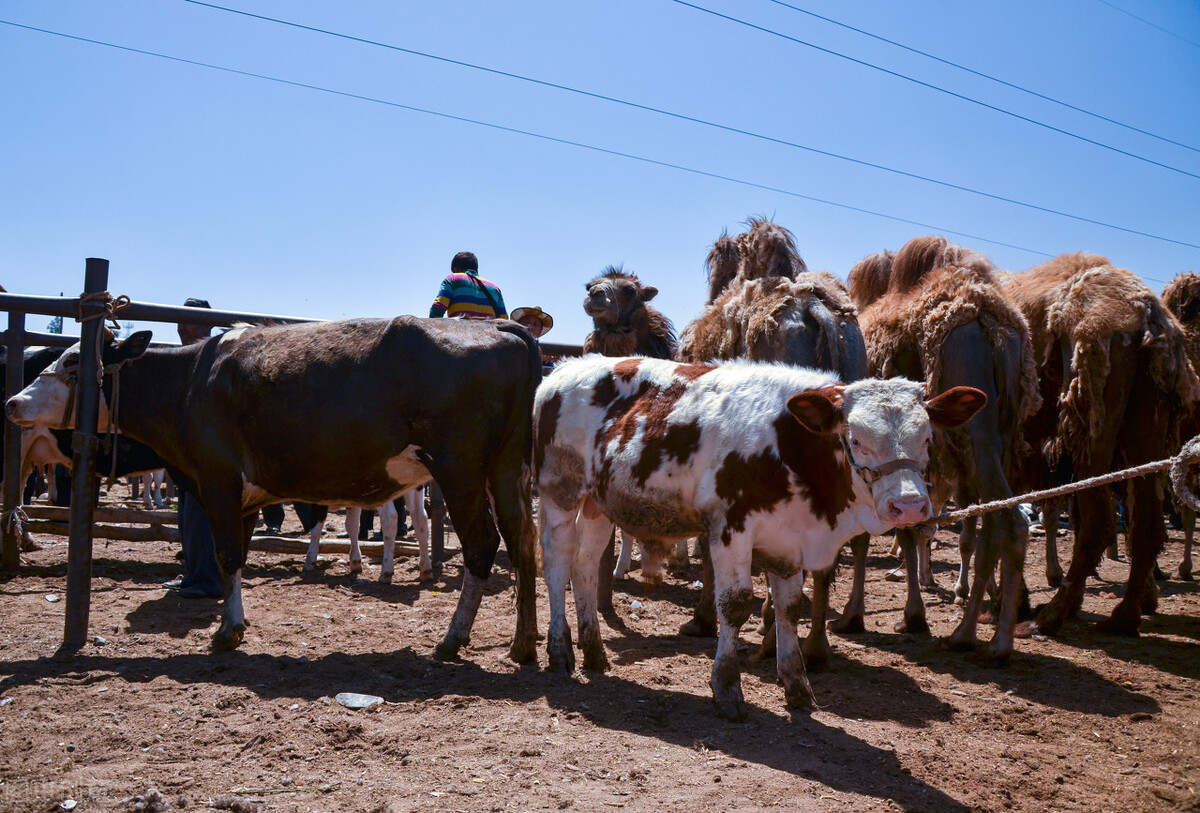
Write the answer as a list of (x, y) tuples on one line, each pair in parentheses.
[(437, 519), (10, 558), (83, 490)]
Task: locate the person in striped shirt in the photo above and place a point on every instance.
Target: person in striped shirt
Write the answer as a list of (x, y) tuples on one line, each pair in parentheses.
[(467, 295)]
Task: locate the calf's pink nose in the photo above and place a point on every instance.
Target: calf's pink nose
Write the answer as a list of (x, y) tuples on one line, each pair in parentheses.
[(909, 510)]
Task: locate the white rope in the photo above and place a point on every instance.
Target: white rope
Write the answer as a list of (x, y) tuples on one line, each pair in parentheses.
[(1178, 465)]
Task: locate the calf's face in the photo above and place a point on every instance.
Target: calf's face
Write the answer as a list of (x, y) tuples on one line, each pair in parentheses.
[(886, 430), (50, 399)]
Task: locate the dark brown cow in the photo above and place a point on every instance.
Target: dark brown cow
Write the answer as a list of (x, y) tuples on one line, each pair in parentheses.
[(1115, 375), (934, 312), (343, 413)]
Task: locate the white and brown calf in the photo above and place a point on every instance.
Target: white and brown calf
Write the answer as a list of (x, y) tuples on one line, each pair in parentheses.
[(389, 521), (776, 465)]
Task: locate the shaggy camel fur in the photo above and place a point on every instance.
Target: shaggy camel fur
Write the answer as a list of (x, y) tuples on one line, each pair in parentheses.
[(938, 315), (1115, 360), (622, 323), (1182, 298), (766, 306)]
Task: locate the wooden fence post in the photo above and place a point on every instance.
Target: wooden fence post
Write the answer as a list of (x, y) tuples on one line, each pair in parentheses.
[(83, 492), (10, 558)]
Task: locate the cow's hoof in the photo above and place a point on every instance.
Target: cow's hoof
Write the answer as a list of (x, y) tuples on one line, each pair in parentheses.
[(699, 628), (799, 697), (562, 659), (385, 578), (848, 625), (1047, 621), (1054, 579), (310, 574), (356, 568), (227, 639), (425, 575), (1024, 629), (731, 708)]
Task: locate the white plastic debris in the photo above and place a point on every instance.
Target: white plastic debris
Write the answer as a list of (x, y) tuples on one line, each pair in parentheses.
[(67, 804), (53, 597), (352, 700), (635, 605)]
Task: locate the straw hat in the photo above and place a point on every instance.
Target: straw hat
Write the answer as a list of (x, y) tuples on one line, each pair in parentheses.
[(533, 310)]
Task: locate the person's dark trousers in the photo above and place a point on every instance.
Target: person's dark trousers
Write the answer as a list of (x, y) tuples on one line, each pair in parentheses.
[(272, 516), (199, 551)]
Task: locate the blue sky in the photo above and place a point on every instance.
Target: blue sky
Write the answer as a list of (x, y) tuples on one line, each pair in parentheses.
[(271, 197)]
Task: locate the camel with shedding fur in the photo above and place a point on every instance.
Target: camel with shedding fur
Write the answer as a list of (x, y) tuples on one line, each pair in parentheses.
[(766, 306), (934, 312), (1182, 298), (1113, 361)]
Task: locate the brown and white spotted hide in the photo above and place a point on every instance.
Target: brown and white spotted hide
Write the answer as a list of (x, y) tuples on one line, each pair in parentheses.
[(752, 455)]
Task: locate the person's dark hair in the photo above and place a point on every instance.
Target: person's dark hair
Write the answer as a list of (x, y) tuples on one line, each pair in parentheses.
[(192, 302), (464, 261)]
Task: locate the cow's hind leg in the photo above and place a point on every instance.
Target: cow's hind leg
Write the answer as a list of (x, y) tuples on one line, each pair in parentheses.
[(480, 540), (852, 618), (232, 545), (816, 644), (314, 546), (593, 533), (559, 544), (966, 547), (789, 658), (625, 557), (704, 618)]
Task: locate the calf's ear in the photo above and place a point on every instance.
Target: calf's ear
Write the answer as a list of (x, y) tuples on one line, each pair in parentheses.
[(819, 411), (955, 406), (649, 292), (131, 348)]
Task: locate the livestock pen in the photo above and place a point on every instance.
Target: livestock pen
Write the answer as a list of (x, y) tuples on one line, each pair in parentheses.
[(1080, 722)]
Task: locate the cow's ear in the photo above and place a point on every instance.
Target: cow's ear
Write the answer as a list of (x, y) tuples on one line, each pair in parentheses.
[(648, 293), (819, 411), (132, 347), (955, 406)]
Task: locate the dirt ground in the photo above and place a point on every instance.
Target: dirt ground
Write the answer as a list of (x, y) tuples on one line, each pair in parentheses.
[(1079, 722)]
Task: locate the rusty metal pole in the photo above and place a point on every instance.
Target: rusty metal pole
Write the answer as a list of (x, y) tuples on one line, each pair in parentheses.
[(83, 490), (10, 558)]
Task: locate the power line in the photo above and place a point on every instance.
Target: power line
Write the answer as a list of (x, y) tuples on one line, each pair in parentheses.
[(930, 86), (531, 134), (693, 120), (987, 76), (1166, 31)]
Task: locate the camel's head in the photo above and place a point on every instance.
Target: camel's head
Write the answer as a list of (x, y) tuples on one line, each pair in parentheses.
[(614, 295)]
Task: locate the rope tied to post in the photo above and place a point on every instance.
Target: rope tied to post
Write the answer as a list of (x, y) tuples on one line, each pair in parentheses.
[(110, 307), (14, 521), (1184, 479)]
